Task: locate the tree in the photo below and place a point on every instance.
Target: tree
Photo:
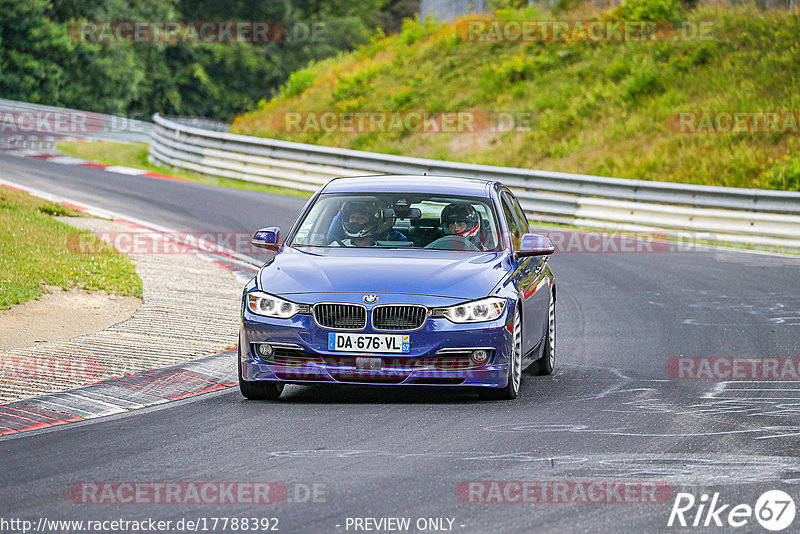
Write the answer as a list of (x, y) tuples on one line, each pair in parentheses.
[(43, 58)]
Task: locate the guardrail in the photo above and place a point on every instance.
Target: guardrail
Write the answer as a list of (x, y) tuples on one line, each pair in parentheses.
[(23, 118), (757, 216)]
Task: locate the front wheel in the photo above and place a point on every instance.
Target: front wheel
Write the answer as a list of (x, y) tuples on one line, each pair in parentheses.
[(257, 390), (514, 367)]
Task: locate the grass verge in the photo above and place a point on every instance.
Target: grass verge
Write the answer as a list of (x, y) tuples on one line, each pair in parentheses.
[(135, 155), (35, 251)]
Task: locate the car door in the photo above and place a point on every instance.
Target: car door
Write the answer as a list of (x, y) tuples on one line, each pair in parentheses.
[(528, 276)]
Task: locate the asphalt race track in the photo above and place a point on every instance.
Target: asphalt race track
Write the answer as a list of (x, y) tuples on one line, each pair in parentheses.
[(611, 412)]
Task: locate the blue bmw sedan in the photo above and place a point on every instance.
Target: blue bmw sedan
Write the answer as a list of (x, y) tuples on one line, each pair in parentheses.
[(401, 280)]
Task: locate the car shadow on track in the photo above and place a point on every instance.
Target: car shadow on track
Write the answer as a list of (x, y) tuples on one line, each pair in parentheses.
[(372, 394), (354, 394)]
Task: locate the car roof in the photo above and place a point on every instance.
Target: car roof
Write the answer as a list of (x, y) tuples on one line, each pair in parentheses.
[(411, 184)]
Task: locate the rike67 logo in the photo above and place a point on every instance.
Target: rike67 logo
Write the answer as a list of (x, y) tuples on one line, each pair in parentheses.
[(774, 510)]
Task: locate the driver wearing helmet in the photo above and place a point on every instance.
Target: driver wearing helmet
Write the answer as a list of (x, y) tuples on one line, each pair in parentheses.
[(461, 219), (362, 222)]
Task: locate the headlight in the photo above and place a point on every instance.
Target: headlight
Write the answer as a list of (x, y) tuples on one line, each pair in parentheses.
[(268, 305), (477, 311)]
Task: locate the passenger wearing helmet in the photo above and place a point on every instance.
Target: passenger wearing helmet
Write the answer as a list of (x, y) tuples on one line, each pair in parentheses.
[(461, 219), (362, 222)]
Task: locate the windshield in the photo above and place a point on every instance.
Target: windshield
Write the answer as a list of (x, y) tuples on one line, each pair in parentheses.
[(400, 220)]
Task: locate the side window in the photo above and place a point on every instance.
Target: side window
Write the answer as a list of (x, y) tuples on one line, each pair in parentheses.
[(511, 220), (523, 219)]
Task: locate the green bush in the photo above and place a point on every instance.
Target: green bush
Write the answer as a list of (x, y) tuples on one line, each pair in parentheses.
[(785, 175), (562, 6), (644, 79), (620, 68), (401, 99), (352, 87), (649, 10), (298, 82), (413, 30)]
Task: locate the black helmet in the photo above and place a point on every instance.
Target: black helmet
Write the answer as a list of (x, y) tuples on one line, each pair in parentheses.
[(463, 213), (376, 222)]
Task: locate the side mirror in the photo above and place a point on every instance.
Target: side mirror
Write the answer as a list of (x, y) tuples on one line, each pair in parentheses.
[(535, 245), (267, 238)]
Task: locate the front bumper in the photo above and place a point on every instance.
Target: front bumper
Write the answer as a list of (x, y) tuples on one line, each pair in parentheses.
[(427, 363)]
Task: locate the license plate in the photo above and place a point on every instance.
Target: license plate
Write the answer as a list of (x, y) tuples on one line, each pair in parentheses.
[(391, 343)]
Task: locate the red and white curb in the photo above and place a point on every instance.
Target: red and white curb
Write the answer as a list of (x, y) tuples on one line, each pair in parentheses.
[(120, 395)]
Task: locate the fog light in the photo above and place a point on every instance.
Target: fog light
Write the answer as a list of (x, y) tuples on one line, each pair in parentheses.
[(266, 350), (479, 356)]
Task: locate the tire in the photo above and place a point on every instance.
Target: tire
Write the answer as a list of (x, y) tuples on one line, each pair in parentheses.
[(544, 365), (257, 390), (511, 390)]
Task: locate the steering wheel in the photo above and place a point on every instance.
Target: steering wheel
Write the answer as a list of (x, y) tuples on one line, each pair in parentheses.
[(452, 242)]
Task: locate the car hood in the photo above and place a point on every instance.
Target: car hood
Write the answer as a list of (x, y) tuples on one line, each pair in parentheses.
[(423, 272)]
